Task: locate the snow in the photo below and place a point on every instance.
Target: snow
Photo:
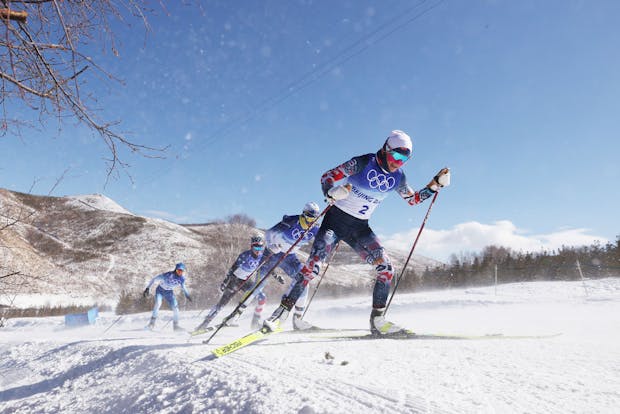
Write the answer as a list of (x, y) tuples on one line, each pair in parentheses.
[(96, 202), (45, 368), (35, 300)]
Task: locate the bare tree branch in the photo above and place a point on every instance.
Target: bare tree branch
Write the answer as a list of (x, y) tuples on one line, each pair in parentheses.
[(9, 275), (58, 181), (8, 14), (42, 64)]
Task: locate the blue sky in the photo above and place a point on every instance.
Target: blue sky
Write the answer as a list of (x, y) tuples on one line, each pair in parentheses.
[(257, 99)]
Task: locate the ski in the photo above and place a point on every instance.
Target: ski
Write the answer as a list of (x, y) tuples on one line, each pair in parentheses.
[(316, 329), (251, 338), (201, 331), (413, 335)]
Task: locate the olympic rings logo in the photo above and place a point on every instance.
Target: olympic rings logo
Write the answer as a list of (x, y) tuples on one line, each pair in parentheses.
[(296, 233), (380, 182), (250, 264)]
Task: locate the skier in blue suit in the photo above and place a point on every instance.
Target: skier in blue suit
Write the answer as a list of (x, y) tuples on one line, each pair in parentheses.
[(237, 279), (166, 283), (356, 188), (279, 239)]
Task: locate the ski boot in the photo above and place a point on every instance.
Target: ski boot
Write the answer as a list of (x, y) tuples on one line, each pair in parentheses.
[(176, 327), (203, 327), (276, 319), (234, 321), (256, 321), (301, 325), (151, 324), (380, 327)]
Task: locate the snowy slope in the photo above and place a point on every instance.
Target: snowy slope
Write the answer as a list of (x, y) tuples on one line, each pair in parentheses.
[(45, 368), (96, 202), (86, 249)]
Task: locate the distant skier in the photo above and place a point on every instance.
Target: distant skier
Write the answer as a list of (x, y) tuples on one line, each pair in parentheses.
[(356, 188), (166, 283), (279, 239)]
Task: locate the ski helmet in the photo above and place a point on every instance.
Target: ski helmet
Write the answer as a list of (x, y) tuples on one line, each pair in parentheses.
[(179, 266), (257, 242), (397, 149), (311, 210)]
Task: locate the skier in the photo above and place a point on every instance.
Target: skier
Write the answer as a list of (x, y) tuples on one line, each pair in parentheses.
[(356, 188), (236, 279), (279, 239), (167, 282)]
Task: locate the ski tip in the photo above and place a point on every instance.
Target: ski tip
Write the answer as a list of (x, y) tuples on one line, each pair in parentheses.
[(405, 333)]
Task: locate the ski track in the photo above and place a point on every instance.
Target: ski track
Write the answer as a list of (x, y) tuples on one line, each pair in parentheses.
[(45, 369)]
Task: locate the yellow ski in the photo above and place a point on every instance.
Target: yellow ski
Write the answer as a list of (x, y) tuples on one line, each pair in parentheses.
[(250, 338)]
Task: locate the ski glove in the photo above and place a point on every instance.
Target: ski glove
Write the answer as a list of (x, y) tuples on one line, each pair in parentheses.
[(339, 192), (145, 294), (227, 279), (278, 278), (442, 179)]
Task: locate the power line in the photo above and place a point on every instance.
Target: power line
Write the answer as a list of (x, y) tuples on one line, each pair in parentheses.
[(305, 80)]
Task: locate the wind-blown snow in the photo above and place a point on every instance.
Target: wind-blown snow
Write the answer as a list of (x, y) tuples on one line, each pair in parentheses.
[(45, 368)]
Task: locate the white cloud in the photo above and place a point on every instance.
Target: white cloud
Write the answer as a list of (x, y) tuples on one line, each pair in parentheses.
[(473, 237)]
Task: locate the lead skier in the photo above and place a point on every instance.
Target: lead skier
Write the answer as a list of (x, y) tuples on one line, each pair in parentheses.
[(166, 283), (356, 188)]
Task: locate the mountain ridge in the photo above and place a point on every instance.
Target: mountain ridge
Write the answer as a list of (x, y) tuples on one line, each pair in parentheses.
[(90, 246)]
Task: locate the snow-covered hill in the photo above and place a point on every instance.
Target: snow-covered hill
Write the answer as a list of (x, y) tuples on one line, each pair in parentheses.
[(45, 368), (87, 249)]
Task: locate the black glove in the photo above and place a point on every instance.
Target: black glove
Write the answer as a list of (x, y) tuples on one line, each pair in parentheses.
[(189, 298), (226, 280), (145, 294), (278, 278)]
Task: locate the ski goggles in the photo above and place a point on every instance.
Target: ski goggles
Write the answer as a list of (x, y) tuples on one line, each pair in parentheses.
[(257, 247), (310, 216), (397, 154)]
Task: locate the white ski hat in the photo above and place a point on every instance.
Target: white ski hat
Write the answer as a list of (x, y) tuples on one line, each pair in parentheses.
[(399, 139)]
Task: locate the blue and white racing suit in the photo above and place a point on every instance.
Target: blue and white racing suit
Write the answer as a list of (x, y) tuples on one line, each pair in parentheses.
[(166, 283), (279, 239), (348, 220), (237, 279)]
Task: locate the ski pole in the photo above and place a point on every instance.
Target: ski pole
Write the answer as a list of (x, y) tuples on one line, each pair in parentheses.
[(170, 320), (411, 252), (112, 324), (259, 283), (135, 304), (248, 278), (320, 280)]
